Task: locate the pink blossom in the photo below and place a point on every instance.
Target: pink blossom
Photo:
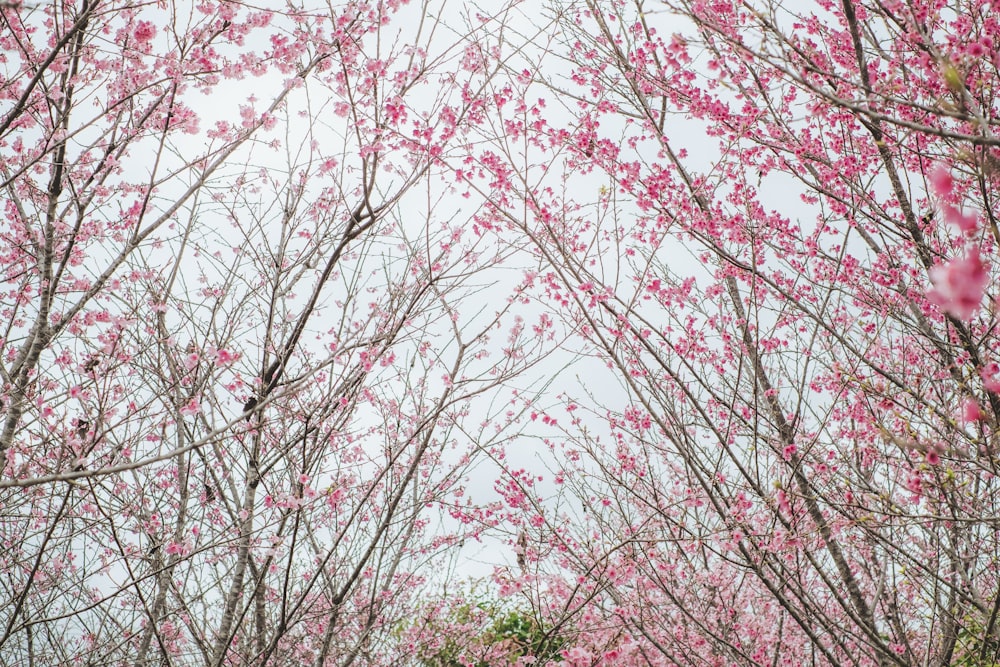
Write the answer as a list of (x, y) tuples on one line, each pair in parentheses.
[(971, 411), (192, 408), (959, 285), (144, 31), (248, 116), (968, 223), (577, 656), (989, 375), (224, 357), (176, 549), (941, 181)]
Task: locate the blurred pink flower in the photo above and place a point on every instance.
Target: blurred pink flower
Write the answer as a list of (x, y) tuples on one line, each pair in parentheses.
[(941, 181), (989, 375), (959, 285), (968, 223), (224, 357), (971, 411)]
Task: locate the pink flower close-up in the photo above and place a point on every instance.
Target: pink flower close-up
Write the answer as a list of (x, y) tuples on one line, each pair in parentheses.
[(959, 285), (941, 181), (970, 411)]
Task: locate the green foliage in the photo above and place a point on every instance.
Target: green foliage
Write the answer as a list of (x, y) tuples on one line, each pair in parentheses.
[(524, 635), (972, 649), (485, 633)]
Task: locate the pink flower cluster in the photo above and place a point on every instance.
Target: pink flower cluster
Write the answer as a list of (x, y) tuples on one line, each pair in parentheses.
[(958, 285)]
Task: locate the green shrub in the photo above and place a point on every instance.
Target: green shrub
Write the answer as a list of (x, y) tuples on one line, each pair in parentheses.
[(483, 632)]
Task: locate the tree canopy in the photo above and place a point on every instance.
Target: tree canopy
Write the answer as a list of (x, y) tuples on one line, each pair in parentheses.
[(670, 325)]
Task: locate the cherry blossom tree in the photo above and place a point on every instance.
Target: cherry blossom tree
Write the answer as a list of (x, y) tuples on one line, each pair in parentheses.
[(775, 224), (245, 363), (681, 313)]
